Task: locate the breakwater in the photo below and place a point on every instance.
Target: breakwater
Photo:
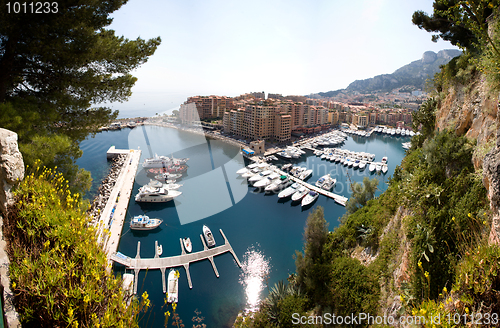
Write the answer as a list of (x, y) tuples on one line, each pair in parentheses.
[(104, 190)]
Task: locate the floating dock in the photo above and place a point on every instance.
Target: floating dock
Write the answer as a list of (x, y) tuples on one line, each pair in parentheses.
[(184, 260)]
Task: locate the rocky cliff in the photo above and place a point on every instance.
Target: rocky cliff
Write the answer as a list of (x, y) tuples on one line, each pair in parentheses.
[(11, 171)]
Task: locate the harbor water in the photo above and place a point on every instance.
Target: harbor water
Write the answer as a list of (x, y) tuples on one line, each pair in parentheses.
[(264, 232)]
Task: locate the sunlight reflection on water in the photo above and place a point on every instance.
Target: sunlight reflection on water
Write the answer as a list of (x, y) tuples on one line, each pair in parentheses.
[(255, 271)]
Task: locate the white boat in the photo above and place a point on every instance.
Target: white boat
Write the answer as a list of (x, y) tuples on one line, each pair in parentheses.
[(384, 160), (164, 177), (159, 250), (362, 165), (188, 246), (259, 176), (173, 286), (143, 222), (162, 161), (306, 174), (329, 183), (209, 238), (278, 184), (384, 168), (356, 164), (378, 167), (150, 194), (321, 180), (372, 167), (309, 198), (288, 191), (300, 193), (267, 180), (250, 173)]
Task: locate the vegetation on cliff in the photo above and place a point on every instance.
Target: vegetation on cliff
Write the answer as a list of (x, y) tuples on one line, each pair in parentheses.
[(55, 70), (59, 273)]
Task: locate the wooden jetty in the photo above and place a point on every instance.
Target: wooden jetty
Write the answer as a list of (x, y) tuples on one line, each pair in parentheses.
[(184, 260)]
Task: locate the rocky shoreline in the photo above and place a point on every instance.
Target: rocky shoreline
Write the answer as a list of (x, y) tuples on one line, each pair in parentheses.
[(104, 190)]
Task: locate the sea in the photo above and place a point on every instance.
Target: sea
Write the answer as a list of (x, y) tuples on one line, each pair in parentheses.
[(264, 232)]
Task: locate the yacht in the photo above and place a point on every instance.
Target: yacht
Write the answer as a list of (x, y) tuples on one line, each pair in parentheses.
[(267, 180), (164, 177), (173, 286), (321, 180), (309, 198), (288, 191), (306, 174), (384, 168), (188, 246), (247, 168), (259, 176), (278, 184), (300, 193), (372, 167), (157, 184), (378, 167), (384, 160), (329, 183), (250, 173), (162, 161), (209, 238), (143, 222), (362, 165), (356, 164), (150, 194)]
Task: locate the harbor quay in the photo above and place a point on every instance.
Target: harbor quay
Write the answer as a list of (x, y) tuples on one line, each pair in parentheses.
[(112, 217)]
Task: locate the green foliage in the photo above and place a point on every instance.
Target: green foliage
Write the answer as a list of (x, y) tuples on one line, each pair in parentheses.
[(353, 289), (425, 118), (361, 194), (58, 151), (59, 274)]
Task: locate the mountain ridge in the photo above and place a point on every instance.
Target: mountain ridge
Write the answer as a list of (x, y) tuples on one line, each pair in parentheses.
[(413, 74)]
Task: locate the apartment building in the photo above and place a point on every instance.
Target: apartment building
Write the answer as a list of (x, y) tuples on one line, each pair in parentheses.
[(208, 107)]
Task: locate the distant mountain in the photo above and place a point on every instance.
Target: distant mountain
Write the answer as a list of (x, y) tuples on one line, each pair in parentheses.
[(414, 74)]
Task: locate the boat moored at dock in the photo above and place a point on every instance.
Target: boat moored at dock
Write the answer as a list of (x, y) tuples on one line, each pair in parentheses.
[(209, 238), (143, 222), (173, 286)]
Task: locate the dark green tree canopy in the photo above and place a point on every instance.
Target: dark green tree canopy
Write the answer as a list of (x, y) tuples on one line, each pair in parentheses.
[(57, 65), (458, 21)]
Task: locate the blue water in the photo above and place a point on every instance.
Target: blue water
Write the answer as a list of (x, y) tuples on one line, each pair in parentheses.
[(253, 222)]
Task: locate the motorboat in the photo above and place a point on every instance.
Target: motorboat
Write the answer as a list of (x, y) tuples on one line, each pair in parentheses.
[(372, 167), (158, 184), (288, 191), (188, 246), (173, 286), (362, 165), (378, 167), (309, 198), (159, 250), (329, 183), (176, 168), (267, 180), (384, 160), (250, 173), (356, 164), (286, 167), (321, 180), (300, 193), (150, 194), (306, 174), (278, 184), (259, 176), (164, 177), (384, 168), (143, 222), (209, 238), (162, 161)]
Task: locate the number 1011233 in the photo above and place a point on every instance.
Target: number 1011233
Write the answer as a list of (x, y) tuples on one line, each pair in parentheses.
[(32, 7)]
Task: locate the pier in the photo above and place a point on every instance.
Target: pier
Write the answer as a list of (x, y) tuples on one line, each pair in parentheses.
[(184, 260), (338, 198), (114, 213)]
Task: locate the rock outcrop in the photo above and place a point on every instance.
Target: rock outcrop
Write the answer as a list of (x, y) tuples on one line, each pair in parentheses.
[(11, 166), (11, 171)]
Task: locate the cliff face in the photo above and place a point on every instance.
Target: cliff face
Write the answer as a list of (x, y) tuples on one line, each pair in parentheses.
[(11, 166), (472, 110)]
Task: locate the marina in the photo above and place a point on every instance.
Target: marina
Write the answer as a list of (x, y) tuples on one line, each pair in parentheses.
[(257, 224), (184, 260)]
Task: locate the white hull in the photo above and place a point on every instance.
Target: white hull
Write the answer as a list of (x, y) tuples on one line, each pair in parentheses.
[(209, 238), (188, 246), (173, 286), (310, 198), (143, 222)]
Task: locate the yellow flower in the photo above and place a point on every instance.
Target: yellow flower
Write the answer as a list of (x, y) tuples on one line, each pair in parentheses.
[(467, 310), (426, 274), (419, 264), (174, 306), (484, 222), (444, 289), (453, 218), (470, 215), (14, 285)]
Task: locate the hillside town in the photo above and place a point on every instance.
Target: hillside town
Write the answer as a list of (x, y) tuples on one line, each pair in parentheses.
[(280, 119)]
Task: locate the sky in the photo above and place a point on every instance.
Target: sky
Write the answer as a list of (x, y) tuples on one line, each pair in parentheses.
[(290, 47)]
